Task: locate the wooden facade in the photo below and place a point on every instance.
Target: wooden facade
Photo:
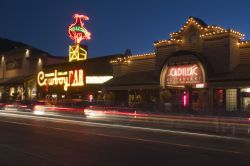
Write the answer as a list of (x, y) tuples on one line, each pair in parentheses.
[(222, 53), (18, 65)]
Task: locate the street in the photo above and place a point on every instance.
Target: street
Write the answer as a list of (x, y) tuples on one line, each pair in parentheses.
[(33, 140)]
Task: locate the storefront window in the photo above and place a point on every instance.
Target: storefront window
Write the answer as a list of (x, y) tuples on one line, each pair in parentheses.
[(177, 99), (231, 99), (12, 91), (245, 94), (1, 92), (219, 100), (199, 99), (134, 98)]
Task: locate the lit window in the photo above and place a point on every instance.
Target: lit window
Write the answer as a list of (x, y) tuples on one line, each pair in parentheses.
[(12, 91), (231, 99)]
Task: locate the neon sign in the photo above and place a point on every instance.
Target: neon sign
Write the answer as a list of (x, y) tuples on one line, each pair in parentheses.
[(77, 53), (72, 78), (185, 74), (185, 99), (77, 32), (97, 79)]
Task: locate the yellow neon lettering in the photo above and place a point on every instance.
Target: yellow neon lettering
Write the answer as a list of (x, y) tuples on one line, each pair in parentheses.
[(66, 78)]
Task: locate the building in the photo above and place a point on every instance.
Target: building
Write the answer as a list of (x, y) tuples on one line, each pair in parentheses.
[(18, 67), (76, 80), (200, 68)]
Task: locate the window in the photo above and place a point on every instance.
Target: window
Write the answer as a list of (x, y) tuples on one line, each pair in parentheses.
[(231, 99), (245, 94), (12, 91)]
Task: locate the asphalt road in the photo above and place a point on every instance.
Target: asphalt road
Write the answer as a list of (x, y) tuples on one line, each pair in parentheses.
[(31, 141)]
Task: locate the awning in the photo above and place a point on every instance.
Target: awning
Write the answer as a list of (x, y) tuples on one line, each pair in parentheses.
[(134, 80), (239, 73)]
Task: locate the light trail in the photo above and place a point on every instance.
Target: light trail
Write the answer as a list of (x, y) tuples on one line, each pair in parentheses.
[(91, 124), (98, 111), (96, 124), (216, 127)]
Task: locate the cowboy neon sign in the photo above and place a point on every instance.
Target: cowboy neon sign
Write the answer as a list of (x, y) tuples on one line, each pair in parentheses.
[(77, 32), (72, 78)]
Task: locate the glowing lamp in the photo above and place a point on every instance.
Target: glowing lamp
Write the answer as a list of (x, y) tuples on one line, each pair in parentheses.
[(248, 90), (185, 99), (199, 85)]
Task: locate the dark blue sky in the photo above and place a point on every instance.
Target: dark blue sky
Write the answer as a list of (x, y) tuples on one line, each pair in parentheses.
[(115, 24)]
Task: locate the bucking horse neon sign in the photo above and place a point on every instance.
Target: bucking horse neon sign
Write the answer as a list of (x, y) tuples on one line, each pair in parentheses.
[(77, 32)]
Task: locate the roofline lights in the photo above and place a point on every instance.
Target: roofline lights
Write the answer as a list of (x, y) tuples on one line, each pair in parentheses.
[(131, 57), (205, 30)]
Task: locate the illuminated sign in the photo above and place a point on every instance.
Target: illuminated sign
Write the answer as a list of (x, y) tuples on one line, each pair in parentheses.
[(199, 85), (77, 53), (77, 32), (185, 99), (72, 78), (97, 79), (184, 74)]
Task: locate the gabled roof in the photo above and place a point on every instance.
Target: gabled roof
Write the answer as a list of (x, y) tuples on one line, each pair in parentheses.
[(199, 21), (7, 45), (206, 31)]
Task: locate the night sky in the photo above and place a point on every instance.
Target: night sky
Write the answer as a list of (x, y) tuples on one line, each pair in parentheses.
[(115, 24)]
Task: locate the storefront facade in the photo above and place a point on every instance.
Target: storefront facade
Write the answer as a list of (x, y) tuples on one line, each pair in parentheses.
[(200, 68), (78, 80), (18, 66), (184, 84), (81, 78)]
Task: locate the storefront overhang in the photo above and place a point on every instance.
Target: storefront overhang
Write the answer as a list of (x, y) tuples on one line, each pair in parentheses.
[(132, 87), (239, 77), (230, 84), (133, 80), (13, 81)]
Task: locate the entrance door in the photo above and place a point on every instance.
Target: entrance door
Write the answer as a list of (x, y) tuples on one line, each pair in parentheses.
[(199, 99)]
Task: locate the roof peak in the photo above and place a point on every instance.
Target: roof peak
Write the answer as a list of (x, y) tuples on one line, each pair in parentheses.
[(200, 21), (205, 30)]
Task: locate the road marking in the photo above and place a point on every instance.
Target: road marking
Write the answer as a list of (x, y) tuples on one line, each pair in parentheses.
[(121, 137)]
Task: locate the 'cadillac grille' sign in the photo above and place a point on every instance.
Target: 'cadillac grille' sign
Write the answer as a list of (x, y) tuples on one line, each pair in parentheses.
[(184, 74)]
